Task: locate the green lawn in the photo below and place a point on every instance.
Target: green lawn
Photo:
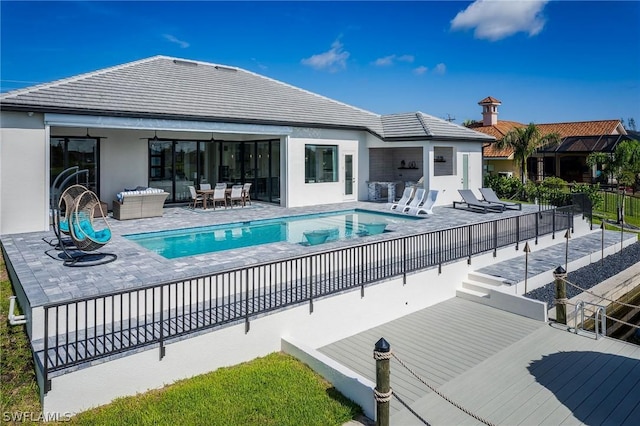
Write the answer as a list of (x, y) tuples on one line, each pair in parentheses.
[(273, 390), (18, 388)]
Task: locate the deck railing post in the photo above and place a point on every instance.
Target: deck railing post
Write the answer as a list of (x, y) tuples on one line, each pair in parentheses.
[(45, 355), (470, 248), (404, 261), (162, 349), (382, 393), (559, 275), (439, 251), (246, 301), (495, 238)]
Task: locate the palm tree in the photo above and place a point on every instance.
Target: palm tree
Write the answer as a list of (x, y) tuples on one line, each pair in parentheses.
[(524, 141)]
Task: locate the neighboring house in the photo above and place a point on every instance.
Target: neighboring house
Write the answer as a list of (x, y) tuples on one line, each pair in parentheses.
[(170, 123), (566, 160)]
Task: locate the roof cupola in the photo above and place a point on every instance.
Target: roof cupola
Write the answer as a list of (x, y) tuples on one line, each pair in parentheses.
[(489, 111)]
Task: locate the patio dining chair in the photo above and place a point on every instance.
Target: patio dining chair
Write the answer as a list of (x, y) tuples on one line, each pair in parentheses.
[(222, 185), (220, 196), (205, 186), (246, 188), (195, 198), (236, 195)]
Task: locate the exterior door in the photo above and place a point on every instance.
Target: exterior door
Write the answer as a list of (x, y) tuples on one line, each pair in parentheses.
[(349, 176), (465, 171)]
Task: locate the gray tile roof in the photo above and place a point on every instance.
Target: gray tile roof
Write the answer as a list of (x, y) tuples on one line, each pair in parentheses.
[(168, 87), (415, 125)]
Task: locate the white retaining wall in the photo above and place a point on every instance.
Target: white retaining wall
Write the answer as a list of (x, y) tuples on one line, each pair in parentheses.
[(333, 318)]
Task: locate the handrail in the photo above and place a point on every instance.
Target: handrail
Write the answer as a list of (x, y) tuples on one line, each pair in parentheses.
[(600, 330), (89, 328)]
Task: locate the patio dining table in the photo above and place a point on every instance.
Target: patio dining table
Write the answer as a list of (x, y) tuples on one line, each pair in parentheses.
[(208, 194)]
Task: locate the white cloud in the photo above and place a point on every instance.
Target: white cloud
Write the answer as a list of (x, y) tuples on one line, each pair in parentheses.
[(173, 39), (440, 69), (332, 60), (391, 59), (386, 61), (406, 58), (420, 70), (494, 20)]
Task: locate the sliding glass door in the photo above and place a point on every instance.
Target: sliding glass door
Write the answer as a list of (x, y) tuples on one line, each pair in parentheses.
[(70, 151), (175, 165)]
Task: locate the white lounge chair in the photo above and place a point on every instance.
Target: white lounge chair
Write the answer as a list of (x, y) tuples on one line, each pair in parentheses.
[(417, 201), (427, 206), (404, 200)]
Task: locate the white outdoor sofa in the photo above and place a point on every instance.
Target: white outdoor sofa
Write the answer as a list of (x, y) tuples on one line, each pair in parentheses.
[(139, 204)]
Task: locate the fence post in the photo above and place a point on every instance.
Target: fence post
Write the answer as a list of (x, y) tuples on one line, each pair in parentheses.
[(517, 232), (559, 274), (495, 238), (382, 393)]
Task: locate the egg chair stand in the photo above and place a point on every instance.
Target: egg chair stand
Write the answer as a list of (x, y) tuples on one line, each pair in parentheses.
[(59, 195), (87, 239)]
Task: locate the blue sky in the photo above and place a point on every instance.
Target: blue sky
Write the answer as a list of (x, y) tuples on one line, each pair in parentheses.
[(547, 61)]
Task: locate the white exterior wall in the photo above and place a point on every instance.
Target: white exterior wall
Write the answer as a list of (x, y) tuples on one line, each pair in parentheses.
[(448, 185), (333, 318), (299, 193), (24, 173)]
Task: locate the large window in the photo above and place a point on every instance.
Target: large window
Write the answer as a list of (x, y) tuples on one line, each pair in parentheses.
[(320, 163)]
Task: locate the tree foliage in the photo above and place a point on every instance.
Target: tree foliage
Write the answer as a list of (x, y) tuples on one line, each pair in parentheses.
[(524, 141)]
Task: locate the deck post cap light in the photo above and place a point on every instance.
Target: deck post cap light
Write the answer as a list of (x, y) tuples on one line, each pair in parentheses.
[(559, 271), (567, 234), (382, 345), (527, 249)]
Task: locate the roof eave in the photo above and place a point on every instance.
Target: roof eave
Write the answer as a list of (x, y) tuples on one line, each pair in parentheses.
[(138, 114), (434, 138)]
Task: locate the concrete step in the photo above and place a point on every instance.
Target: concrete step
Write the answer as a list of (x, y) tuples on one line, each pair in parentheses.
[(487, 279), (472, 295), (475, 286)]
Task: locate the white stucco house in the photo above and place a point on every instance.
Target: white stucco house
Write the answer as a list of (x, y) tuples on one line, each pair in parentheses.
[(169, 123)]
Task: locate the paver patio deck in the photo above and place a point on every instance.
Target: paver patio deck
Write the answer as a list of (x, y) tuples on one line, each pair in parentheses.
[(46, 280)]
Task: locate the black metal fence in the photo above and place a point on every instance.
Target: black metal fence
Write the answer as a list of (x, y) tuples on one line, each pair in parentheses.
[(612, 200), (86, 329)]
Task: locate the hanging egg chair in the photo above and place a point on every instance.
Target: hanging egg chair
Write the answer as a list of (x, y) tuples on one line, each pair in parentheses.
[(84, 235), (68, 198), (82, 232)]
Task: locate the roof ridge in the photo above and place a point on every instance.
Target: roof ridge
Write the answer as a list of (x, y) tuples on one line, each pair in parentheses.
[(78, 77), (425, 126), (576, 122)]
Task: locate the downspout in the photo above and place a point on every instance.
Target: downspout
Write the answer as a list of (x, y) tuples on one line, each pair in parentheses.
[(15, 319)]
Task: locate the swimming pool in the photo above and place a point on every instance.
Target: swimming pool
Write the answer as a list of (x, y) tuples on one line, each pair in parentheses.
[(319, 228)]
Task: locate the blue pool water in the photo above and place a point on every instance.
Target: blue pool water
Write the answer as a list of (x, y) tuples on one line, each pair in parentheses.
[(331, 226)]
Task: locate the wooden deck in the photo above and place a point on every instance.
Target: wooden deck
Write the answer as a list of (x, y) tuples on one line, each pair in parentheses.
[(502, 367)]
